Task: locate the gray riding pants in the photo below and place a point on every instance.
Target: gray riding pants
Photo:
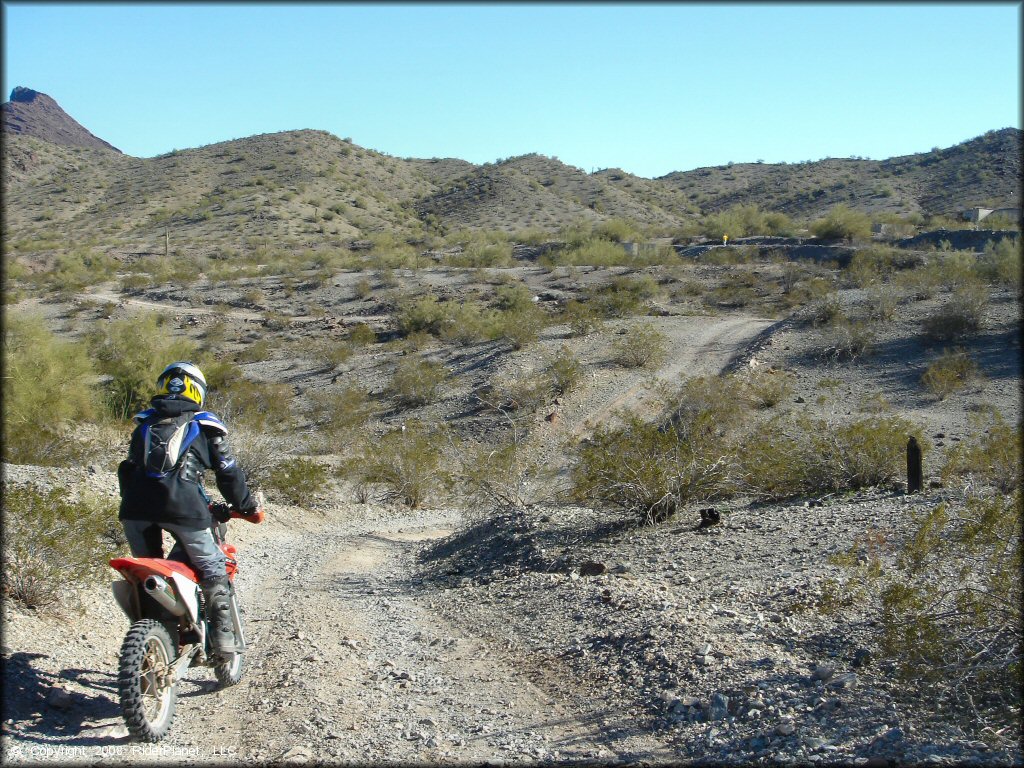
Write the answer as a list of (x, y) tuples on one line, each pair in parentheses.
[(146, 540)]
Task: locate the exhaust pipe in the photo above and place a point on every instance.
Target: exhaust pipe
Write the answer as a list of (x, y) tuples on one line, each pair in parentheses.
[(161, 591)]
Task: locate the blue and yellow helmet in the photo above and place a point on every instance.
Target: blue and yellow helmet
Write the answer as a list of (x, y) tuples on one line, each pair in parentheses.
[(183, 380)]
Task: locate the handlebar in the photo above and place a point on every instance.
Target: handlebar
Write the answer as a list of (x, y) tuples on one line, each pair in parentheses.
[(225, 512)]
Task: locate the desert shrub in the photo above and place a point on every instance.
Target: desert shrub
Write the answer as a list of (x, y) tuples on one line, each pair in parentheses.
[(848, 340), (738, 289), (469, 322), (595, 252), (768, 388), (960, 316), (55, 542), (882, 301), (872, 264), (808, 290), (949, 602), (827, 310), (126, 352), (949, 373), (342, 411), (514, 297), (361, 334), (363, 287), (417, 382), (258, 405), (520, 327), (1001, 263), (648, 471), (47, 385), (842, 223), (421, 314), (788, 457), (256, 351), (525, 392), (407, 461), (623, 295), (744, 220), (991, 456), (499, 479), (296, 479), (581, 318), (642, 346), (564, 370)]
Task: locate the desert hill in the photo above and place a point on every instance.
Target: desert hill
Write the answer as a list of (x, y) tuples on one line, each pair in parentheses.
[(36, 114), (311, 189)]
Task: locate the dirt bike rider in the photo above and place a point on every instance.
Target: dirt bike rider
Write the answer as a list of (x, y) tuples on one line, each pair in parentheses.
[(161, 484)]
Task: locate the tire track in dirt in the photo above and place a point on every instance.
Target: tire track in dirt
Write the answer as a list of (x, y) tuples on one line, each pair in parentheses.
[(351, 659), (699, 347)]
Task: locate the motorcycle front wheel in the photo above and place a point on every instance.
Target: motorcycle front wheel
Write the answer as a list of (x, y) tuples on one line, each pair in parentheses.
[(145, 681)]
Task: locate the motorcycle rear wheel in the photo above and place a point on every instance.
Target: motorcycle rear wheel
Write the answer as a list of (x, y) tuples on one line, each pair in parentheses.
[(147, 692)]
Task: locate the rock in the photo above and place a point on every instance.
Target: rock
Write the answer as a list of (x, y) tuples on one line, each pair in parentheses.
[(58, 698), (297, 755), (848, 680), (824, 671), (591, 568), (861, 657), (785, 729), (719, 707)]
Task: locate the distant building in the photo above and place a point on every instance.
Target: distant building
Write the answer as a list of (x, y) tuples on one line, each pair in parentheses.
[(980, 214)]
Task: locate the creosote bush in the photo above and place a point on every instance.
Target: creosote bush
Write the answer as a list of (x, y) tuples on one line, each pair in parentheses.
[(407, 461), (950, 373), (949, 601), (417, 382), (642, 346), (960, 316), (991, 457), (297, 479), (55, 542), (47, 385)]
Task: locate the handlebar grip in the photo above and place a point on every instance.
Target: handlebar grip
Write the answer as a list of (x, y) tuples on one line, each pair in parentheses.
[(252, 517)]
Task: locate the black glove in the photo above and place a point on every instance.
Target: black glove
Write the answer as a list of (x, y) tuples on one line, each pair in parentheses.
[(221, 512)]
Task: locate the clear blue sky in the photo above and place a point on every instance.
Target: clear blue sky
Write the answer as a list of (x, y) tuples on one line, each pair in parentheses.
[(647, 88)]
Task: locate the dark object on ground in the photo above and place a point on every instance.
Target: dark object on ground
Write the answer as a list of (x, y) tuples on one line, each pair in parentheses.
[(709, 517), (915, 472)]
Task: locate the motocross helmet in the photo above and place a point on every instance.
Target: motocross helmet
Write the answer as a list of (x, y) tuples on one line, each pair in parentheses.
[(183, 380)]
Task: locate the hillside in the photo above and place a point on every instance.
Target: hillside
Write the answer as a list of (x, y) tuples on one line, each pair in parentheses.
[(311, 190)]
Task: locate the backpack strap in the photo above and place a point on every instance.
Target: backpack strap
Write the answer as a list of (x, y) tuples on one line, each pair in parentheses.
[(209, 421), (171, 450)]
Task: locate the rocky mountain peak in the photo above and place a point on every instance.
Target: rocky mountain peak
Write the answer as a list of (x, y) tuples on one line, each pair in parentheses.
[(33, 113)]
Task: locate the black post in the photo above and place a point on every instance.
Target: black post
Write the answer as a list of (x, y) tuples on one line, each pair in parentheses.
[(915, 472)]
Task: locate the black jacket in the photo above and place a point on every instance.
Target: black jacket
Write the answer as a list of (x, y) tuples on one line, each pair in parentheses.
[(178, 497)]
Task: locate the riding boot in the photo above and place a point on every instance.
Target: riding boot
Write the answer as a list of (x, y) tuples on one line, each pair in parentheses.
[(217, 592)]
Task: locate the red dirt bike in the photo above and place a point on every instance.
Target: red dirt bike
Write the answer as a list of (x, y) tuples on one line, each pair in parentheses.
[(169, 633)]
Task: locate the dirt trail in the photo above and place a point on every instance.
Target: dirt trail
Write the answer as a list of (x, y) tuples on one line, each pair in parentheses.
[(702, 346)]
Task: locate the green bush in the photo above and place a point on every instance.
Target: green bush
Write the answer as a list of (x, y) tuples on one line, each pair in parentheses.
[(991, 456), (417, 382), (342, 411), (843, 223), (648, 471), (949, 373), (406, 461), (1001, 263), (564, 370), (960, 316), (581, 318), (424, 314), (768, 388), (298, 478), (133, 352), (55, 543), (642, 346), (520, 327), (848, 340), (789, 457), (47, 386), (361, 335), (949, 602)]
